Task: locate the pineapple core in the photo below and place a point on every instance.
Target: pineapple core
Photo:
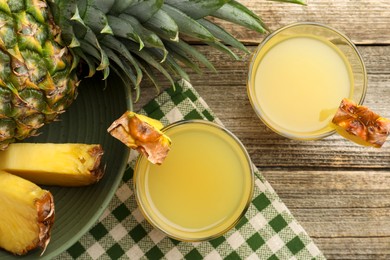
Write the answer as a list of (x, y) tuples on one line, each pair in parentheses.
[(54, 164), (27, 215)]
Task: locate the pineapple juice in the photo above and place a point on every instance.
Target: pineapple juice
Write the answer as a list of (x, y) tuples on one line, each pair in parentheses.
[(300, 83), (298, 77), (202, 188)]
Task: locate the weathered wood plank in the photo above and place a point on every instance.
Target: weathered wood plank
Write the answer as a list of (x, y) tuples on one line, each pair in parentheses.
[(364, 21), (322, 189), (347, 213), (355, 248)]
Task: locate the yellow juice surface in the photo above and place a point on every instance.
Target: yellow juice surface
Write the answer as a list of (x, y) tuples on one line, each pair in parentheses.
[(203, 186), (299, 84)]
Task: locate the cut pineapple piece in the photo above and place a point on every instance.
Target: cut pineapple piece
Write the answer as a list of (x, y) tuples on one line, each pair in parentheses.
[(54, 164), (360, 125), (27, 215), (143, 134)]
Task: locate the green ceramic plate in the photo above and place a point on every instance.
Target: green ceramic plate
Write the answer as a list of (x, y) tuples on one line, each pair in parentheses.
[(86, 121)]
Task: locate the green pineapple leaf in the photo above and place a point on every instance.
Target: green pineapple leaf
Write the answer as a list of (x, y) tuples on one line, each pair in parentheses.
[(97, 55), (82, 5), (116, 45), (120, 6), (103, 5), (92, 40), (170, 64), (76, 17), (71, 38), (237, 13), (123, 66), (301, 2), (59, 12), (150, 73), (185, 49), (221, 47), (127, 87), (88, 59), (222, 35), (183, 58), (197, 9), (97, 21), (124, 29), (147, 57), (149, 38), (187, 25), (145, 9), (163, 25), (62, 11)]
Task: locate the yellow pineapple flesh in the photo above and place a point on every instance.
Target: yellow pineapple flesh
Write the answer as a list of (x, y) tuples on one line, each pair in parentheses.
[(142, 133), (361, 125), (27, 215), (54, 164)]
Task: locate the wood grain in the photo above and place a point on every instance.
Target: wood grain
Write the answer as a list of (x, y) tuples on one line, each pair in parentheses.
[(345, 212), (364, 21), (338, 191)]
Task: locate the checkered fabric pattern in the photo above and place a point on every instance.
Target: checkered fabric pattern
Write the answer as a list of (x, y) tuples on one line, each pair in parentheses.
[(267, 231)]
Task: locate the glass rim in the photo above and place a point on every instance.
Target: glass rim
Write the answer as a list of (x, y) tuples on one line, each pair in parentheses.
[(155, 224), (249, 84)]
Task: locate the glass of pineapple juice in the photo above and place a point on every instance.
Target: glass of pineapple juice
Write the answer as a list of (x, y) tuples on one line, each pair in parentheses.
[(203, 187), (298, 76)]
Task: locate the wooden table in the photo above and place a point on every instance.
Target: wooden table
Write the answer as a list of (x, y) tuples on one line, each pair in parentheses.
[(338, 191)]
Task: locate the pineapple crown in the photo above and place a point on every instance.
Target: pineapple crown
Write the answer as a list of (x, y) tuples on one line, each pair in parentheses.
[(137, 37)]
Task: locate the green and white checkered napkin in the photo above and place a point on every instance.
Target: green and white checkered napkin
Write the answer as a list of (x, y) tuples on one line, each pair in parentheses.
[(268, 230)]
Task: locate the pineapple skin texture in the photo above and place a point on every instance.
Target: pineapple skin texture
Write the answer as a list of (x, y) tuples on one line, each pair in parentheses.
[(37, 79), (143, 134), (54, 164), (27, 215), (361, 125)]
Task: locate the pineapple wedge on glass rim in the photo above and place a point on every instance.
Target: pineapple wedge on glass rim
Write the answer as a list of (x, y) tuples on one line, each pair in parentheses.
[(361, 125), (143, 134), (45, 44), (54, 164), (27, 215)]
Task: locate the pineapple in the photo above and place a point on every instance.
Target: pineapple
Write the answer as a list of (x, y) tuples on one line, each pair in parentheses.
[(143, 134), (27, 215), (54, 164), (361, 125), (44, 46)]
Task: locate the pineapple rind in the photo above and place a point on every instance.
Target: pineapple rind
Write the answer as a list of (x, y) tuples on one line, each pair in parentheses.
[(361, 125), (143, 134), (37, 79), (63, 164), (27, 215)]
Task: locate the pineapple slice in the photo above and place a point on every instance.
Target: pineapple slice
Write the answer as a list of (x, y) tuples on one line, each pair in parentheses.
[(360, 125), (27, 215), (143, 134), (54, 164)]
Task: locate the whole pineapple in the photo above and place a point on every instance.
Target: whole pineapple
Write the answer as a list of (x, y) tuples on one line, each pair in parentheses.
[(42, 44)]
